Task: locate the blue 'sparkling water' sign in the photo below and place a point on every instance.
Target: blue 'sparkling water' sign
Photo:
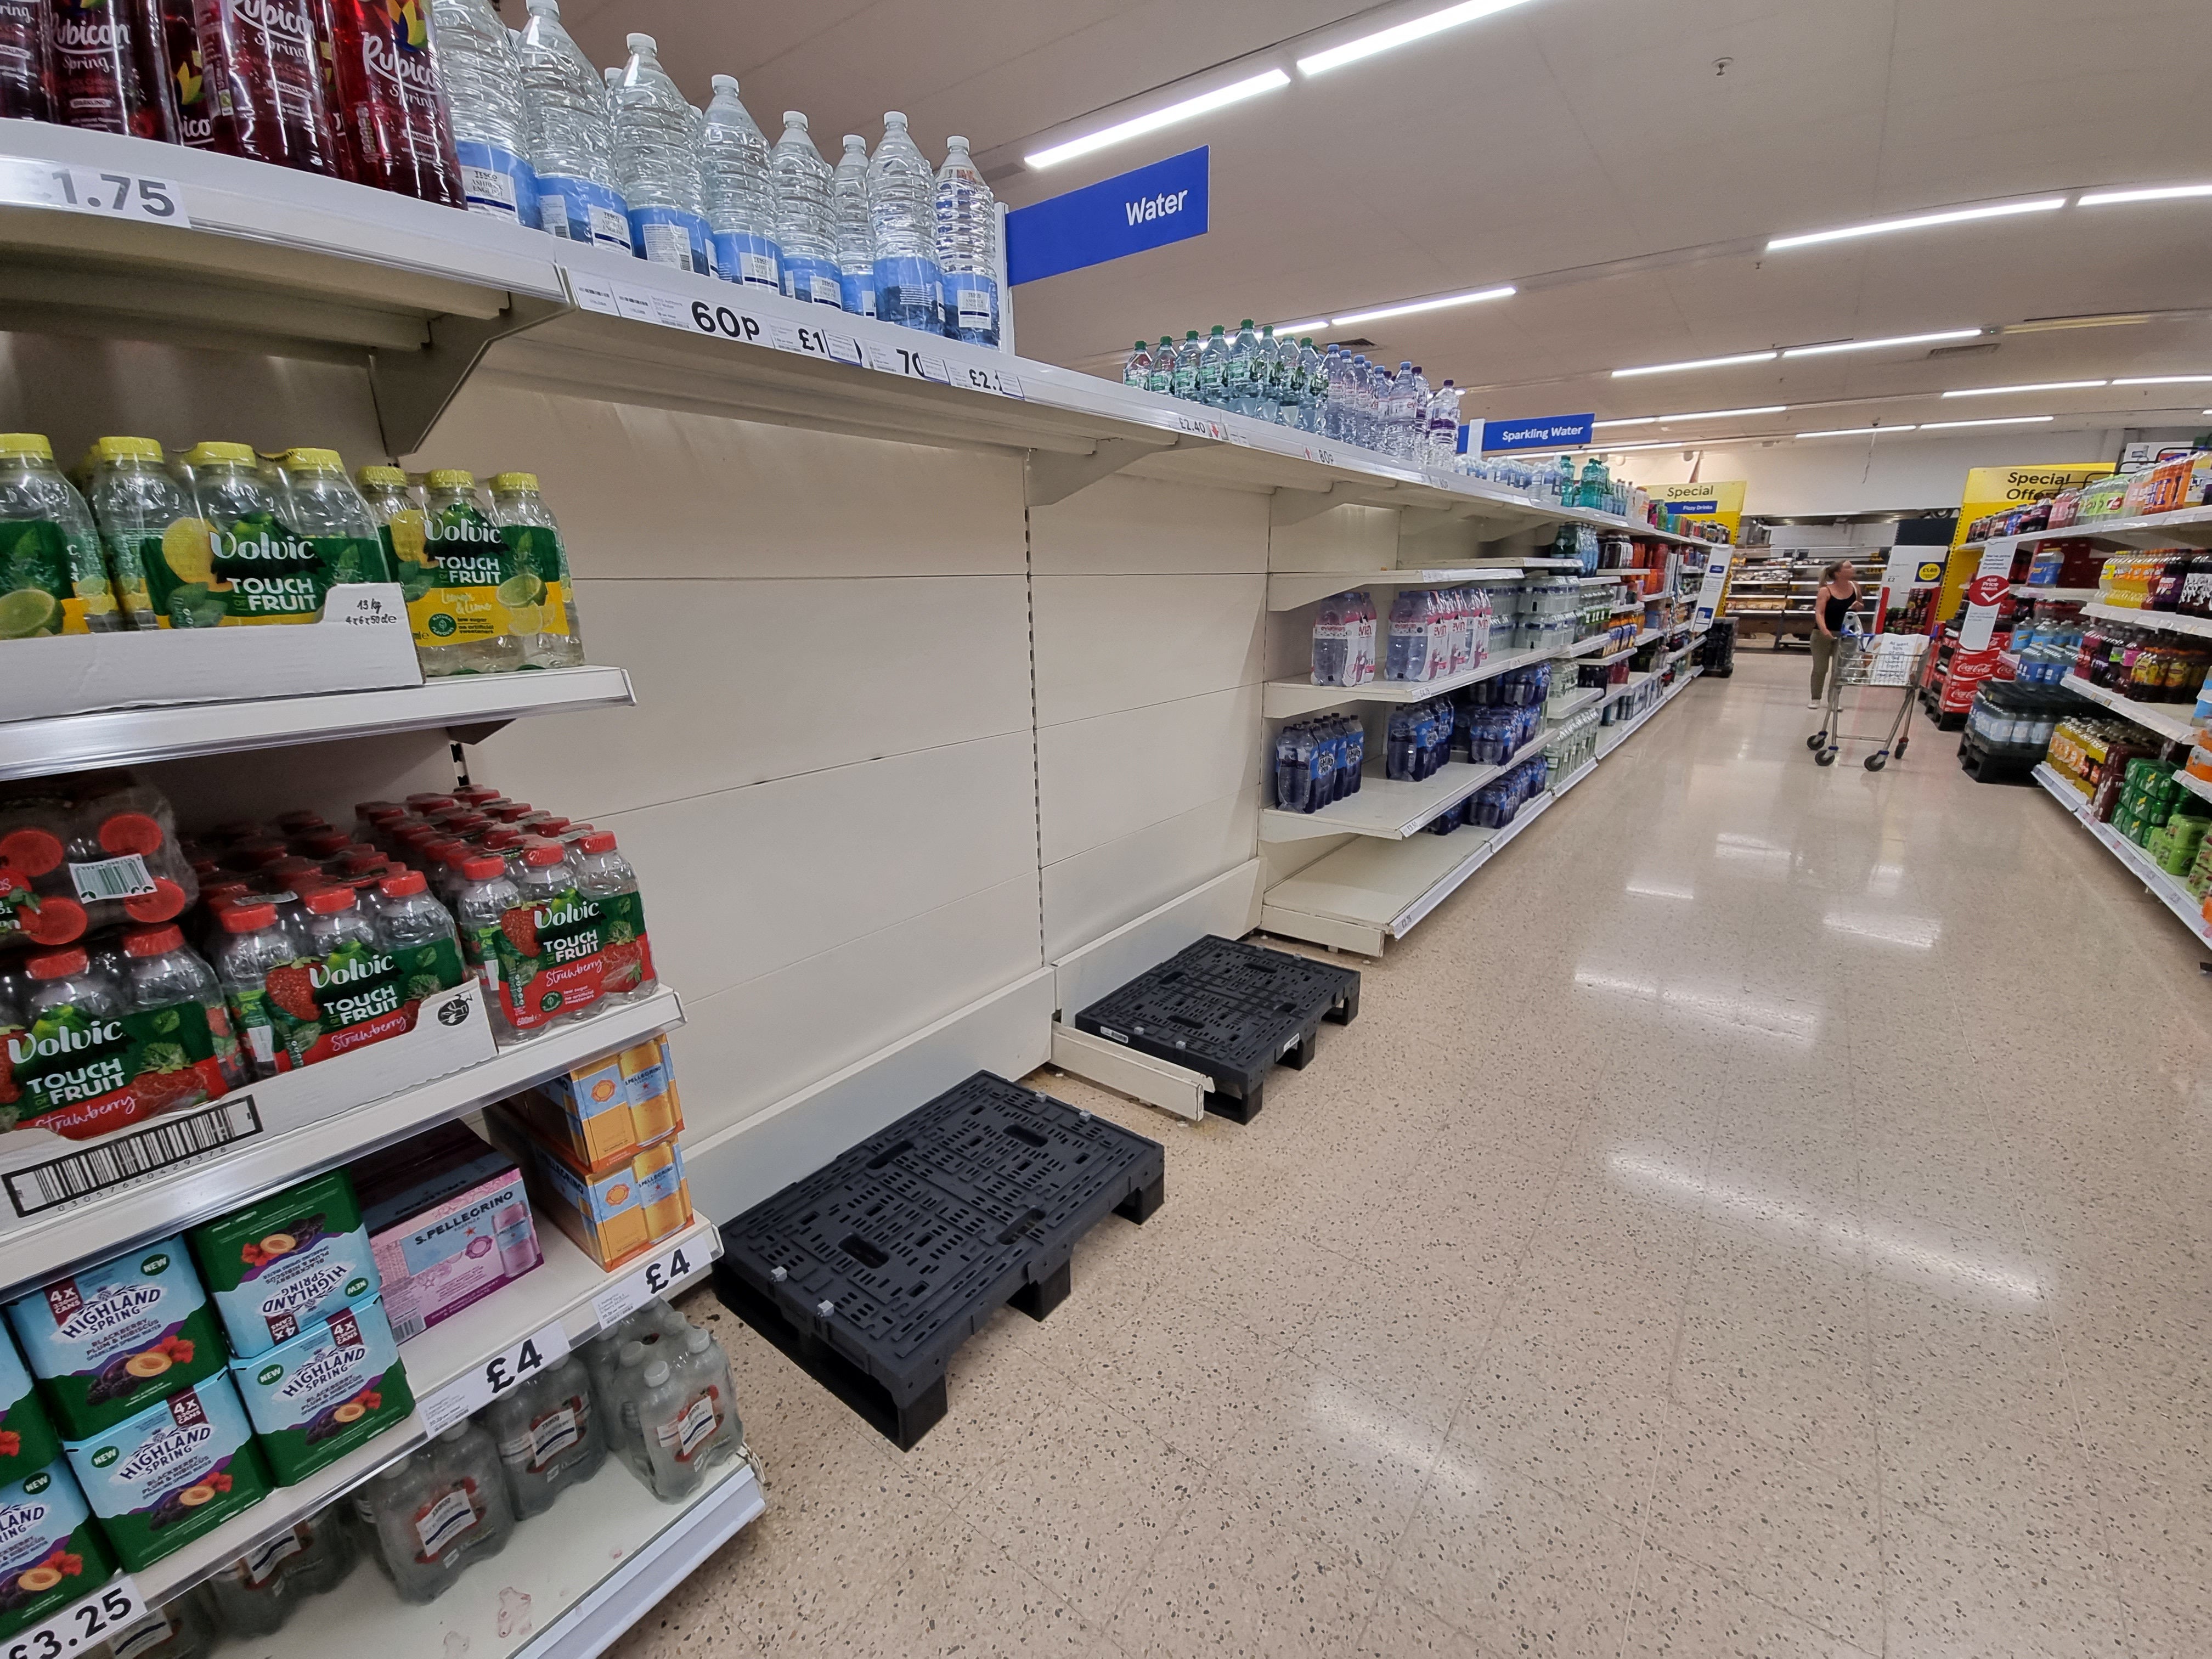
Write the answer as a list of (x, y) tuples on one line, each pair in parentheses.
[(1537, 432), (1110, 220)]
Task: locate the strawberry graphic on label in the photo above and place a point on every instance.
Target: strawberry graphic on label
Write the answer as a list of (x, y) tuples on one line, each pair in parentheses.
[(520, 927), (291, 989)]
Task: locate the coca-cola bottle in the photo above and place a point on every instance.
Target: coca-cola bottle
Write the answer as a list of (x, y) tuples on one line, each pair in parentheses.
[(110, 68), (392, 107), (25, 90), (265, 61), (188, 85)]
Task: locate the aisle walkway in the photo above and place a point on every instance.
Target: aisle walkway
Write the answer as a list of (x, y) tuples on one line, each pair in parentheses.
[(1764, 1213)]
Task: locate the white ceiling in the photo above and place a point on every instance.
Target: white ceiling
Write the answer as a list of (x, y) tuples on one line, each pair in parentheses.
[(1588, 151)]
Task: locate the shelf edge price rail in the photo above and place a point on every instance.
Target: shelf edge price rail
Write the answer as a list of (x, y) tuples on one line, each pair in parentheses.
[(84, 1624), (658, 1277), (480, 1385)]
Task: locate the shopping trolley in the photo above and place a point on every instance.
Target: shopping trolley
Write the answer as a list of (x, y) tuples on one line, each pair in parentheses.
[(1862, 659)]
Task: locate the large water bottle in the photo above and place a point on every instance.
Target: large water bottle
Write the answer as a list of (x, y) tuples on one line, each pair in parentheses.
[(800, 180), (1400, 405), (855, 226), (657, 157), (483, 92), (1312, 387), (1444, 425), (572, 135), (902, 201), (740, 209), (1244, 369), (967, 248)]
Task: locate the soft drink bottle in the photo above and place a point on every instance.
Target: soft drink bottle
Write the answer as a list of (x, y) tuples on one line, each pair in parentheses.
[(110, 68), (263, 64), (396, 123), (546, 622), (551, 1434), (56, 581), (25, 60), (1138, 366), (438, 1510), (163, 971), (193, 97), (604, 876)]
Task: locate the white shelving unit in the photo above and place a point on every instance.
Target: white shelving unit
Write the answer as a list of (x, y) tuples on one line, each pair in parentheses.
[(1288, 699), (2189, 526), (2169, 621), (2151, 716), (2187, 911), (1391, 808), (2062, 595)]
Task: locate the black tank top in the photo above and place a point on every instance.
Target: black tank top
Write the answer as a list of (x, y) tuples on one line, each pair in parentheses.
[(1838, 608)]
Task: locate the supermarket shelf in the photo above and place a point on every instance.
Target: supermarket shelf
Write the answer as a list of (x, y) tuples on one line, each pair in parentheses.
[(2169, 892), (2195, 785), (568, 1583), (1606, 744), (1583, 647), (1560, 709), (2150, 717), (2190, 526), (2067, 595), (563, 1289), (1604, 578), (470, 705), (1286, 699), (1649, 634), (1288, 589), (1392, 809), (1573, 778), (50, 1242), (2169, 621), (1621, 655)]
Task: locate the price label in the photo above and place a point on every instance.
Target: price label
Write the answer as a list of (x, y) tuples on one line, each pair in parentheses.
[(365, 607), (656, 1278), (996, 382), (724, 323), (593, 293), (475, 1389), (87, 190), (909, 361), (84, 1624), (810, 340)]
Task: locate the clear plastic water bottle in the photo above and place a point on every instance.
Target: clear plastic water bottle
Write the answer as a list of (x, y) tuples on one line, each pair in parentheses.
[(1284, 374), (902, 201), (483, 91), (657, 158), (1213, 370), (1160, 376), (163, 971), (1442, 424), (1138, 369), (740, 209), (1412, 408), (1313, 387), (855, 227), (1332, 631), (551, 1435), (968, 247), (1241, 371), (1185, 365), (57, 560), (572, 135), (800, 180)]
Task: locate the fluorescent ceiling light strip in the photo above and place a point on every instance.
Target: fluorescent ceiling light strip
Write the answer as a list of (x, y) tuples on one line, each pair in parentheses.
[(1505, 293), (2164, 379), (1234, 93), (2153, 193), (1698, 363), (2012, 420), (2041, 386), (1917, 222), (1637, 420), (1301, 328), (1418, 29), (1856, 431), (1877, 345), (1662, 443), (1724, 414)]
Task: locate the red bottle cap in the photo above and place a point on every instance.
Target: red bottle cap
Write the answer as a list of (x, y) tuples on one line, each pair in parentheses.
[(301, 823), (166, 901), (508, 811), (131, 832), (152, 941), (551, 826), (542, 854), (57, 965), (476, 794), (362, 809), (33, 851), (325, 843), (483, 869), (406, 884), (601, 840), (56, 922), (429, 803), (245, 918), (329, 901), (236, 829), (498, 840)]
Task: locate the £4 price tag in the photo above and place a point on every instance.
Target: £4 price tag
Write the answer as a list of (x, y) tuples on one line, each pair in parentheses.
[(477, 1388), (658, 1277), (84, 1624), (87, 190)]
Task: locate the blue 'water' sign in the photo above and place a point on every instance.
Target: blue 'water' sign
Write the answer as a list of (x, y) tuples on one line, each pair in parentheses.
[(1541, 432), (1150, 208)]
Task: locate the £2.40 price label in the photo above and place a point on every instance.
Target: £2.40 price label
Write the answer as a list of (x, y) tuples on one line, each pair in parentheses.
[(479, 1386), (84, 1624)]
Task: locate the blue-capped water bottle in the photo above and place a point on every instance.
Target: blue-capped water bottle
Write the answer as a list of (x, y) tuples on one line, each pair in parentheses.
[(740, 212), (657, 158), (800, 180), (967, 248), (482, 79), (902, 202), (572, 137), (854, 224)]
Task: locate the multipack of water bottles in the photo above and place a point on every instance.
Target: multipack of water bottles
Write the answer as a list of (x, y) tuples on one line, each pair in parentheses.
[(1318, 761), (1435, 632), (1525, 687), (1490, 734), (1344, 640), (1418, 741), (1333, 392)]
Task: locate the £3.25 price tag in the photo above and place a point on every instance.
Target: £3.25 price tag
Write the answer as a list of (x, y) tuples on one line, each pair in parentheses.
[(479, 1386), (84, 1624), (658, 1277), (87, 190)]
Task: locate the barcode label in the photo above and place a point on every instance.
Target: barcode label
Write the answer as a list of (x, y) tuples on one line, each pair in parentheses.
[(126, 1158), (111, 878)]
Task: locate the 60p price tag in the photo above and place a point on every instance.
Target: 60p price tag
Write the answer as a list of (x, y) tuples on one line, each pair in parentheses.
[(84, 1624), (87, 190), (658, 1277), (476, 1388)]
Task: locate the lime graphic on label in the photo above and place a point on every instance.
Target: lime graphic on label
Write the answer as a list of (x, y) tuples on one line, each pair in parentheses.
[(520, 590), (26, 611), (188, 549)]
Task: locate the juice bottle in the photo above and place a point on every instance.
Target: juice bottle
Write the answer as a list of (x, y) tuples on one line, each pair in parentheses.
[(420, 935), (264, 61), (546, 621), (254, 946), (110, 68), (52, 578), (188, 88), (398, 133), (136, 502), (255, 567), (604, 877), (480, 907), (26, 61), (460, 620), (163, 971)]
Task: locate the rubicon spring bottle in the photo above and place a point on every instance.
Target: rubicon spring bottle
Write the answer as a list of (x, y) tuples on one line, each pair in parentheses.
[(264, 61), (968, 247), (110, 68), (740, 209), (855, 226), (194, 98), (483, 81), (657, 158), (572, 135), (800, 180), (25, 60), (902, 201), (395, 119)]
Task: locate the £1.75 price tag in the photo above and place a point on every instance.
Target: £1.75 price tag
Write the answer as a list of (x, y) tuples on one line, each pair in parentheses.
[(84, 1624), (87, 190), (479, 1386), (657, 1277)]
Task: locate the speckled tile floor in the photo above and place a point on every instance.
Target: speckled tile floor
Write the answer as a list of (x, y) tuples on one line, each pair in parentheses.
[(1764, 1213)]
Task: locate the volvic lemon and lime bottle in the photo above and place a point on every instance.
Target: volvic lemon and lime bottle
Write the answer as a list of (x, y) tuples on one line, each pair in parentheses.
[(52, 578), (545, 619)]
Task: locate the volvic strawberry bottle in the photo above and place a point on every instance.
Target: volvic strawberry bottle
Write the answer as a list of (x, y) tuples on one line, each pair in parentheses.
[(393, 108), (110, 68), (263, 60), (26, 61)]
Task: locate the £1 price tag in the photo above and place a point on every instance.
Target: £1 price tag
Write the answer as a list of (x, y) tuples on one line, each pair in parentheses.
[(84, 1624), (481, 1384), (658, 1277), (87, 190)]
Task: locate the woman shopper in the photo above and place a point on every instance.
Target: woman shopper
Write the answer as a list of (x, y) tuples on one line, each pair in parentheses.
[(1839, 593)]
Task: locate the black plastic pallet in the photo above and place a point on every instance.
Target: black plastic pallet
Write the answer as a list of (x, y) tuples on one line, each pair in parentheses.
[(1984, 767), (1229, 1011), (872, 1271)]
